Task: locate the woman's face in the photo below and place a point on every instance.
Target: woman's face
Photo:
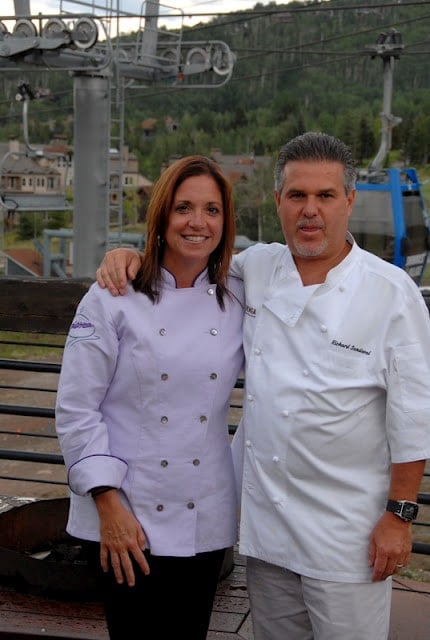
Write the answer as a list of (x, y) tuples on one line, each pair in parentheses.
[(195, 224)]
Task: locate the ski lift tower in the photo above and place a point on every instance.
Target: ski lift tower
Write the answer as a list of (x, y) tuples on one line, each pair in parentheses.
[(389, 217), (108, 51)]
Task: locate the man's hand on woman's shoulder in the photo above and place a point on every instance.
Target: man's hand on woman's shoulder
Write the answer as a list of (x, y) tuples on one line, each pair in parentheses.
[(118, 266)]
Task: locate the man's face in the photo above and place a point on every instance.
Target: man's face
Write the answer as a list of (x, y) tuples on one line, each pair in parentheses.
[(314, 209)]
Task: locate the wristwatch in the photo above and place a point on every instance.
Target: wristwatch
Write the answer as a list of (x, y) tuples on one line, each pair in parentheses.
[(406, 510)]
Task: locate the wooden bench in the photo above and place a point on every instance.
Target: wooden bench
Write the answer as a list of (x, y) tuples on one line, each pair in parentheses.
[(34, 600), (39, 306)]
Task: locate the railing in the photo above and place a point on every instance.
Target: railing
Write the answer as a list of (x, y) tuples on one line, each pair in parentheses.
[(32, 312), (13, 409), (35, 315)]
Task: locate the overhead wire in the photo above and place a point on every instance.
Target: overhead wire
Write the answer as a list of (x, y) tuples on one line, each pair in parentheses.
[(295, 48), (321, 7), (302, 48)]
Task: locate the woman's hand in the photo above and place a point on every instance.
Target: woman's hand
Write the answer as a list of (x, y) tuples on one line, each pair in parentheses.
[(121, 537)]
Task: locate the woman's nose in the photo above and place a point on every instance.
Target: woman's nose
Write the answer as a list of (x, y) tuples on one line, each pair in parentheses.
[(197, 219)]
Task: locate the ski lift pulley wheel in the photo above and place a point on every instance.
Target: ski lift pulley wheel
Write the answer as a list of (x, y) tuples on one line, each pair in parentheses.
[(54, 27), (24, 28), (169, 56), (197, 55), (85, 33), (221, 61)]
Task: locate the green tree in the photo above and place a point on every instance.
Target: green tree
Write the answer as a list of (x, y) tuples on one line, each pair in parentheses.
[(57, 219), (30, 225), (366, 141), (255, 208)]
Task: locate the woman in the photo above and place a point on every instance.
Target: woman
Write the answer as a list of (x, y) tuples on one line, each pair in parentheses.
[(141, 413)]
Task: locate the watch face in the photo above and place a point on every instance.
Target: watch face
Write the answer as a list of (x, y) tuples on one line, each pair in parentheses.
[(409, 511)]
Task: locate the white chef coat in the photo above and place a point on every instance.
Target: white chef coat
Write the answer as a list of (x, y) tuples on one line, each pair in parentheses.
[(142, 406), (337, 388)]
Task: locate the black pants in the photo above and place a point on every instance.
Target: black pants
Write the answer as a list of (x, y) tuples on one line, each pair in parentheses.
[(174, 601)]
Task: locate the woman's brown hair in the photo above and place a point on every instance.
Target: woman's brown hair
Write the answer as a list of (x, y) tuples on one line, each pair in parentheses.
[(149, 276)]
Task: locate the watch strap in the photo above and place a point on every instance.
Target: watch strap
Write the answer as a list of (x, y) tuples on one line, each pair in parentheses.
[(405, 509)]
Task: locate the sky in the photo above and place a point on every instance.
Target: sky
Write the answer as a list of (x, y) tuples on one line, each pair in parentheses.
[(193, 11), (51, 7)]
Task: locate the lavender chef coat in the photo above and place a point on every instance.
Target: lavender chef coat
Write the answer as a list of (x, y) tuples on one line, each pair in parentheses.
[(142, 406)]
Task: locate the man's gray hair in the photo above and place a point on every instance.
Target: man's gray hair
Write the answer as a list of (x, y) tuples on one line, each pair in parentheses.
[(313, 146)]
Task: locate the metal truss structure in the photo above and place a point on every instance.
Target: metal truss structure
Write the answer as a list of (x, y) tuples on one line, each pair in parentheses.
[(107, 50)]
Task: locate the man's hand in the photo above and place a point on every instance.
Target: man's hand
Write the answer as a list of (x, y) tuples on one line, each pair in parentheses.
[(390, 546), (118, 266)]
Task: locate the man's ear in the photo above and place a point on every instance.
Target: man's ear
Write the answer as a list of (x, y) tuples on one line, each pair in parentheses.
[(351, 199), (277, 197)]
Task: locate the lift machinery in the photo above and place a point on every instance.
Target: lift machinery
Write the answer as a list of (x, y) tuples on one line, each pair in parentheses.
[(390, 217)]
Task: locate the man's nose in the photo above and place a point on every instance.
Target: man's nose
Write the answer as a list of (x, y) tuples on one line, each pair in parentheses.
[(310, 206)]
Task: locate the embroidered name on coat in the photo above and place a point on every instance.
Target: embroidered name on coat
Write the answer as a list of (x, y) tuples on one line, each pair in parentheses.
[(350, 347)]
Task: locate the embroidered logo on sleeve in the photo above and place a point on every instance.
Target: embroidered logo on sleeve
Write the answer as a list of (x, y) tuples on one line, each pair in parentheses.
[(81, 329)]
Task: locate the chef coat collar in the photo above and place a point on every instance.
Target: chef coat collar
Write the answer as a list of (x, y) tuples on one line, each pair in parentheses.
[(169, 281), (287, 297), (338, 273), (287, 268)]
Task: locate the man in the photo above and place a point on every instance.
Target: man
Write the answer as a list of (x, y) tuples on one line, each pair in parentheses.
[(337, 409)]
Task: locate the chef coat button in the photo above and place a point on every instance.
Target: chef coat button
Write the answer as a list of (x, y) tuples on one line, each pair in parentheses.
[(285, 413), (203, 419), (248, 443), (257, 351), (213, 332), (323, 328), (160, 507), (305, 372), (276, 500), (190, 505), (162, 332), (250, 398), (211, 291), (341, 287), (164, 419), (275, 458), (213, 376), (164, 376), (164, 463), (196, 462)]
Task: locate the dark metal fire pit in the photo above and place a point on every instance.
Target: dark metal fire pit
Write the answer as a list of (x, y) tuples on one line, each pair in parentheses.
[(37, 555)]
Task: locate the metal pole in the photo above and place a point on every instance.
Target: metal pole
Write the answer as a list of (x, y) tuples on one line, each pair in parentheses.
[(149, 41), (91, 175), (386, 116), (388, 47), (22, 8)]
